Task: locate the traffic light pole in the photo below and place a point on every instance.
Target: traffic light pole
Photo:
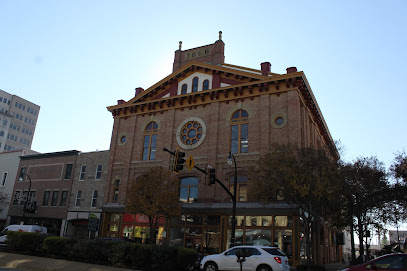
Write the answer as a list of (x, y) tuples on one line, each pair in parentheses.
[(204, 172), (232, 196)]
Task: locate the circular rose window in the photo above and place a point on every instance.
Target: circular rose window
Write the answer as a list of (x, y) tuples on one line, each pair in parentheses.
[(191, 133)]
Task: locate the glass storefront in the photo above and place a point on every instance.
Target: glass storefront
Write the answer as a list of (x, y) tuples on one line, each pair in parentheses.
[(204, 232)]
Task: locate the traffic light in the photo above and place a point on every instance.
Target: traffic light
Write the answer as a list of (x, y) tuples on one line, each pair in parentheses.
[(179, 160), (212, 176)]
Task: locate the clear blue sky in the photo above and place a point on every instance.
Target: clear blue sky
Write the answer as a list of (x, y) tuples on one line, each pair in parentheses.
[(74, 58)]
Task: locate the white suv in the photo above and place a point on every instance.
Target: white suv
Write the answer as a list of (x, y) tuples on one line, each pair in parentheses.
[(260, 258)]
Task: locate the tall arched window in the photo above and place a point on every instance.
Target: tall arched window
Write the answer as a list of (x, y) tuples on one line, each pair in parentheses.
[(205, 85), (188, 192), (184, 89), (239, 132), (241, 187), (195, 84), (150, 139)]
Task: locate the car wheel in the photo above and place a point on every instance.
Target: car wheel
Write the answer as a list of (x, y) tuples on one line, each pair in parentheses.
[(211, 266), (264, 268)]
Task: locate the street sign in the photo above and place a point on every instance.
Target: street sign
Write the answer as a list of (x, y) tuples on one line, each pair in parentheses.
[(93, 224), (190, 163)]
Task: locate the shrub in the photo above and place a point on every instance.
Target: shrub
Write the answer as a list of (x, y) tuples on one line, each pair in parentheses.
[(186, 258), (25, 242), (164, 258), (120, 254), (143, 255), (55, 246)]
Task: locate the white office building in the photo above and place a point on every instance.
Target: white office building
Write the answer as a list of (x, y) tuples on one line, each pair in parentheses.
[(18, 119)]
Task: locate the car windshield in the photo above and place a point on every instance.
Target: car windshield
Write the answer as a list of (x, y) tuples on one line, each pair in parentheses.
[(274, 251)]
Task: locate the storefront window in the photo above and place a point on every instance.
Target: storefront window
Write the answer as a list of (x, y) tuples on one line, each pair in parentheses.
[(283, 239), (195, 243), (211, 241), (283, 221), (141, 234), (258, 237), (113, 227), (212, 220), (176, 236), (266, 221), (194, 220), (238, 237), (193, 231), (239, 221), (114, 217), (177, 220), (128, 232), (263, 221)]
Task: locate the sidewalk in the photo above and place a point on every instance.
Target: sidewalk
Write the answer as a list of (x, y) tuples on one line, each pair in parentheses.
[(31, 263)]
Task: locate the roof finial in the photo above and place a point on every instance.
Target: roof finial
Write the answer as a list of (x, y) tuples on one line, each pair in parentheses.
[(180, 45), (220, 35)]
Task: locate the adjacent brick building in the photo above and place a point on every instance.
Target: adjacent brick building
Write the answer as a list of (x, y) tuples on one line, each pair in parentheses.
[(51, 176), (207, 109), (88, 188)]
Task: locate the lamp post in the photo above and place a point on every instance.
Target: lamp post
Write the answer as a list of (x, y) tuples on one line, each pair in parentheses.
[(28, 194), (230, 162)]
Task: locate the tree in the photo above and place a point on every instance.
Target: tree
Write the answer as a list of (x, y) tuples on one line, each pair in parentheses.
[(398, 171), (399, 167), (155, 195), (362, 177), (306, 178)]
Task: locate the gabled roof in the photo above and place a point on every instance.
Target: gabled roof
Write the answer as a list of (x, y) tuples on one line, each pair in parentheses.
[(248, 83), (192, 66)]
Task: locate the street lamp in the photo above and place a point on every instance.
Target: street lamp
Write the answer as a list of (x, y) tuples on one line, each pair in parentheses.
[(28, 194), (232, 160)]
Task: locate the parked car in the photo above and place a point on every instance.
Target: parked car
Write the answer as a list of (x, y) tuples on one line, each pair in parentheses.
[(258, 258), (393, 262), (23, 228)]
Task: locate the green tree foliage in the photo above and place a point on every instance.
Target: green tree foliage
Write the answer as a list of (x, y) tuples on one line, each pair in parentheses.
[(398, 171), (362, 177), (399, 167), (306, 178), (154, 194)]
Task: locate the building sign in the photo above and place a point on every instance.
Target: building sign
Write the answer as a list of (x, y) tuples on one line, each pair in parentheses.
[(46, 172), (141, 219), (197, 53), (30, 206), (93, 223)]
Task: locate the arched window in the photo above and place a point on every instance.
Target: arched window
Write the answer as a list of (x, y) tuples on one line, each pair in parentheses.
[(241, 187), (239, 132), (184, 89), (205, 85), (195, 84), (188, 192), (150, 139)]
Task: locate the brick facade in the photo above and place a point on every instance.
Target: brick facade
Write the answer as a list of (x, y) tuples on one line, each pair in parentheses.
[(281, 109), (47, 173)]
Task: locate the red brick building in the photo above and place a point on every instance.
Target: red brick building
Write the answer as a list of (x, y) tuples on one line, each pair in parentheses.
[(51, 176), (207, 109)]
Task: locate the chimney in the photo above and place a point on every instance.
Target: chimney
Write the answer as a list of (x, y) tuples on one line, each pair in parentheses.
[(138, 91), (265, 68), (291, 69), (120, 101)]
